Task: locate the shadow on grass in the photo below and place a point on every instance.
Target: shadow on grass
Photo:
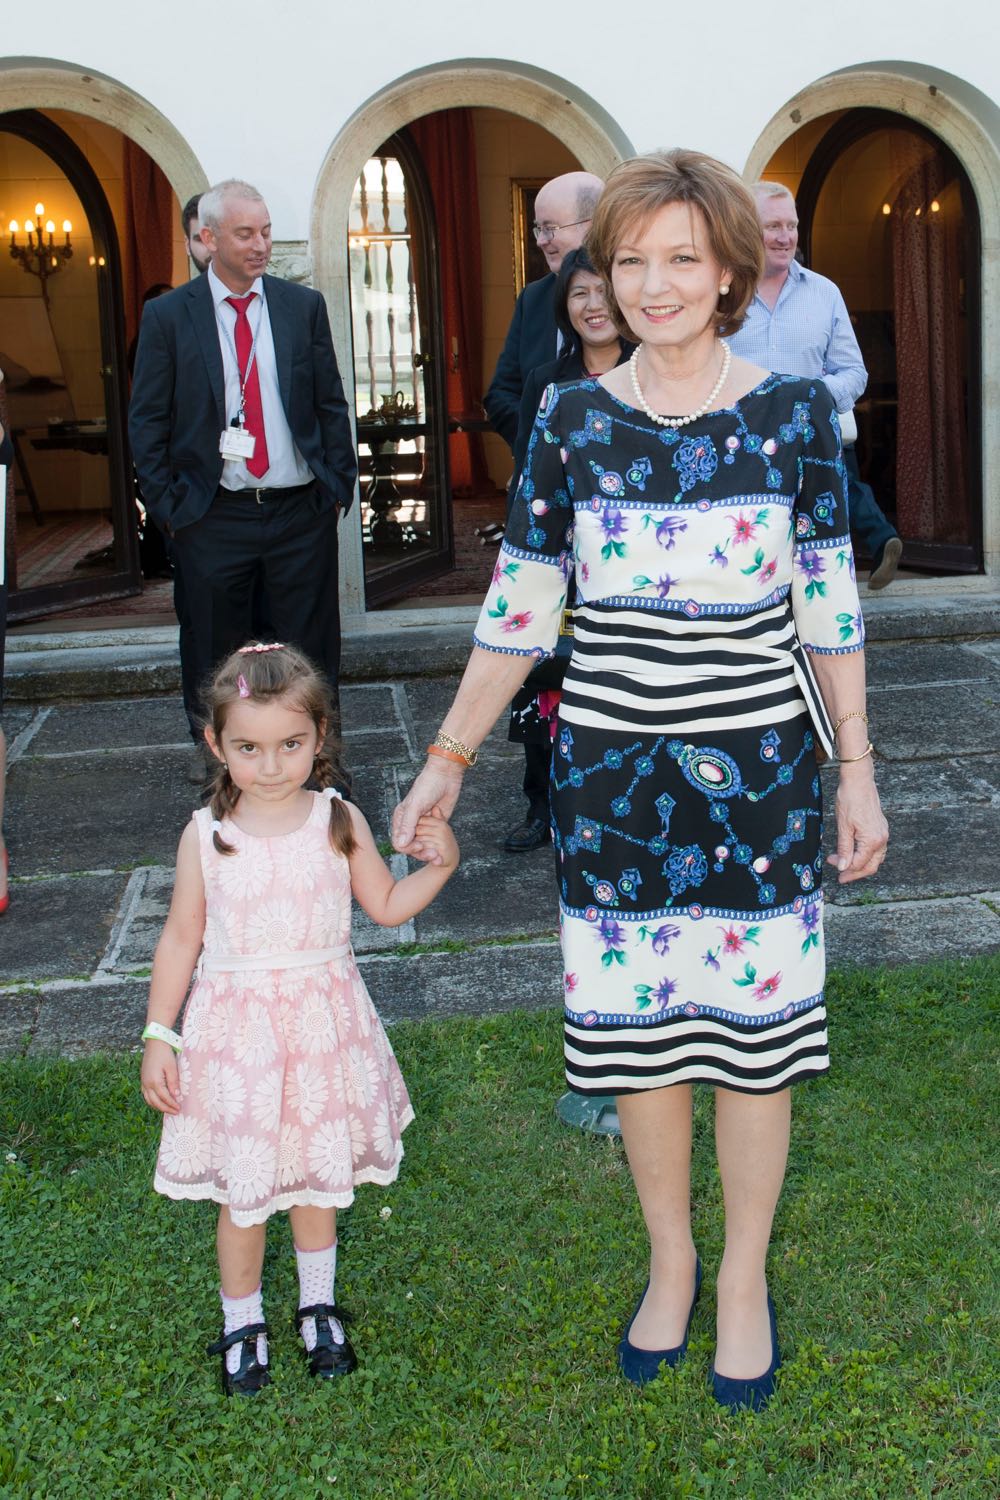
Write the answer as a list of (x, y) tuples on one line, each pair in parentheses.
[(489, 1302)]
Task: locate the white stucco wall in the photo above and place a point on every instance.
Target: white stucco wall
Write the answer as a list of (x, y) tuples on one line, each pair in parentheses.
[(260, 91)]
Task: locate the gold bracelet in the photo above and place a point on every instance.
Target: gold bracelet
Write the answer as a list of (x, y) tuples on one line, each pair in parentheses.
[(850, 759), (857, 713), (445, 742)]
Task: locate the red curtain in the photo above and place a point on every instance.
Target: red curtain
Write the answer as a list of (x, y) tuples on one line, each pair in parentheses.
[(932, 495), (148, 248), (446, 142)]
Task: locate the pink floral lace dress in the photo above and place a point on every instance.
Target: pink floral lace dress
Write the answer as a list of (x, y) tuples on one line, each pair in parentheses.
[(290, 1092)]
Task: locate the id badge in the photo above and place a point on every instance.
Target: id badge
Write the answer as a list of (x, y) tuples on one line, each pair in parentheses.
[(237, 443)]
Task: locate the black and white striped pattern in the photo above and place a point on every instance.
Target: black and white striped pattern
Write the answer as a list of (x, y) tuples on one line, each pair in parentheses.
[(654, 672), (604, 1059)]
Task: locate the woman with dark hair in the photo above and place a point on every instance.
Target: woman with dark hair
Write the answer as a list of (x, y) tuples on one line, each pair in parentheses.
[(591, 345), (718, 643)]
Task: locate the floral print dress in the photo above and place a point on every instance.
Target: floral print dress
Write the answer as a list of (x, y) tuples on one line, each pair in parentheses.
[(290, 1092), (710, 563)]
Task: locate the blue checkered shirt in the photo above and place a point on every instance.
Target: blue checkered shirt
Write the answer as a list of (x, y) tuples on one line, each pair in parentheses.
[(808, 333)]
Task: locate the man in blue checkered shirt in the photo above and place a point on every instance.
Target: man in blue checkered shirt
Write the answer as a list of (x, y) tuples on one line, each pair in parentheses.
[(798, 324)]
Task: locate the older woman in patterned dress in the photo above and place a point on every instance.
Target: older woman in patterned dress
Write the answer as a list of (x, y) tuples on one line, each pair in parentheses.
[(718, 646)]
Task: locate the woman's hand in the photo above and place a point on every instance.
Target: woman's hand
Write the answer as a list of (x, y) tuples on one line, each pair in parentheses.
[(161, 1085), (862, 832), (436, 789)]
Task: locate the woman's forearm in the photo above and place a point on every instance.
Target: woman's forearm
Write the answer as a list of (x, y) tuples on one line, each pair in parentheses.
[(490, 681), (842, 683)]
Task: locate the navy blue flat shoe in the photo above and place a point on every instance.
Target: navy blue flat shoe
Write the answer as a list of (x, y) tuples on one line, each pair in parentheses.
[(642, 1365), (750, 1395)]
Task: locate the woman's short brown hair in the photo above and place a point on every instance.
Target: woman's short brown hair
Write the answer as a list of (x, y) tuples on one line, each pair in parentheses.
[(640, 187)]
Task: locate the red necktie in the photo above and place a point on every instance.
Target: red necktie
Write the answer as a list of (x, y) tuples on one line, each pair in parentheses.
[(253, 411)]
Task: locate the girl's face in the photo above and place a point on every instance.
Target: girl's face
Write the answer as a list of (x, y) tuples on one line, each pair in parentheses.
[(666, 278), (588, 310), (268, 747)]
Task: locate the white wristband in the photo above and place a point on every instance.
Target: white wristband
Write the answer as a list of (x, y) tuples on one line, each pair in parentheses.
[(159, 1033)]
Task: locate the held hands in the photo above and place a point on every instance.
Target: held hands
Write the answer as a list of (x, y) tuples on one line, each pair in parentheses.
[(862, 832), (435, 790), (159, 1078), (433, 832)]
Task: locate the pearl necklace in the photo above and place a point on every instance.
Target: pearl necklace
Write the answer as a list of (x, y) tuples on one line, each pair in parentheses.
[(654, 416)]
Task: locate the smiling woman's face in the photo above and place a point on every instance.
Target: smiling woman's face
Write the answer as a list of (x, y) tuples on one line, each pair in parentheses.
[(588, 310), (666, 278)]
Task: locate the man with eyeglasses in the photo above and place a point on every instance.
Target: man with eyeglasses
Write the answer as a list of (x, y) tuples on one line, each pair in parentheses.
[(563, 211)]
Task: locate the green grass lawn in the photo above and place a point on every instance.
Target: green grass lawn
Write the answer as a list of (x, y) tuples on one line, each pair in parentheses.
[(489, 1303)]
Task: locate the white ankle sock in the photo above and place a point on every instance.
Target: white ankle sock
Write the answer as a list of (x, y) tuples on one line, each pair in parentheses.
[(238, 1312), (317, 1274)]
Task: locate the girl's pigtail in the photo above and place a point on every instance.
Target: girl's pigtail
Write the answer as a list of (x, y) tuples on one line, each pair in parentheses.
[(341, 829), (222, 802)]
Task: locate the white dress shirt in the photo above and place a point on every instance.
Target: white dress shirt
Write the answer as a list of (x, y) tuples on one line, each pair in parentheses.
[(286, 466)]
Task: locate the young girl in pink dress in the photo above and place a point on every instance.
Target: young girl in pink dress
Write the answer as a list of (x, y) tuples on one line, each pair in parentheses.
[(282, 1092)]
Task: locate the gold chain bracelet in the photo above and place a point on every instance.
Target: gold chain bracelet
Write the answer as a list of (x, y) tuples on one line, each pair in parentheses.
[(454, 747), (856, 713)]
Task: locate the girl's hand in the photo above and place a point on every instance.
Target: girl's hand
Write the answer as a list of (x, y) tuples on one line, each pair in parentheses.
[(161, 1086), (436, 788), (434, 832), (862, 832)]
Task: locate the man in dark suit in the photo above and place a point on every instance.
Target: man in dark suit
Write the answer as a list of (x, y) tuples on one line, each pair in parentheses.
[(564, 208), (242, 443)]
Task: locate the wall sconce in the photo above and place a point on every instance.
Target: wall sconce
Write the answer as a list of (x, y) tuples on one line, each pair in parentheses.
[(37, 257)]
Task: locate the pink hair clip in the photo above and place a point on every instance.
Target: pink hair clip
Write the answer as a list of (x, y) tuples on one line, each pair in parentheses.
[(258, 647), (242, 686)]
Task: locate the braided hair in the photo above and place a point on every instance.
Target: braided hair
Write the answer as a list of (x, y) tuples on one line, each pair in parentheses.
[(263, 676)]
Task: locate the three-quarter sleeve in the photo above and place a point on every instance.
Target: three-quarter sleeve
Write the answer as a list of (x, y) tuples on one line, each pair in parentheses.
[(825, 601), (523, 609)]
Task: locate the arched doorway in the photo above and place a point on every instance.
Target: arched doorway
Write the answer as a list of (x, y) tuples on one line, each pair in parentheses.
[(963, 120), (575, 125), (62, 348), (887, 212)]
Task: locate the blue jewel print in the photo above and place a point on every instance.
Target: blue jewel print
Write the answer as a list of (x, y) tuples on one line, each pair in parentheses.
[(639, 472), (769, 746), (596, 429), (695, 461), (686, 867)]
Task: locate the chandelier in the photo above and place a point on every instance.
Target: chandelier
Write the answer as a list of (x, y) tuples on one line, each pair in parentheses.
[(39, 254)]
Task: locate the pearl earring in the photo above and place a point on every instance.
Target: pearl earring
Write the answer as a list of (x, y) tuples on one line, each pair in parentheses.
[(724, 289)]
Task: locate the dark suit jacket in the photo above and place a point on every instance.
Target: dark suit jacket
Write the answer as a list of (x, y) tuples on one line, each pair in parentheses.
[(531, 341), (178, 398)]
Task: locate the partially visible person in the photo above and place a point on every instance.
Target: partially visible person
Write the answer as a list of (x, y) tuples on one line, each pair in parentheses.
[(197, 249), (798, 324), (242, 442), (6, 461), (564, 208), (591, 345), (281, 1094)]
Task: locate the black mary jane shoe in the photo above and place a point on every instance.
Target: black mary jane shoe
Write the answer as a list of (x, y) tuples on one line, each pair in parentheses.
[(250, 1376), (327, 1359)]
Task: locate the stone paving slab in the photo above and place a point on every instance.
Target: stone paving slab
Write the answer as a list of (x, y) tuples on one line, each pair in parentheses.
[(504, 896), (911, 932), (90, 1018), (18, 1015), (58, 928), (523, 976), (920, 724), (98, 811), (906, 786), (911, 664), (78, 727)]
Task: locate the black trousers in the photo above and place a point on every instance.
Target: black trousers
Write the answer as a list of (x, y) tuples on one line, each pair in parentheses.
[(537, 766), (277, 555)]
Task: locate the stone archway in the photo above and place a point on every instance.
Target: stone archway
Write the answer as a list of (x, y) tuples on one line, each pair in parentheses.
[(564, 111), (35, 84), (969, 123)]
